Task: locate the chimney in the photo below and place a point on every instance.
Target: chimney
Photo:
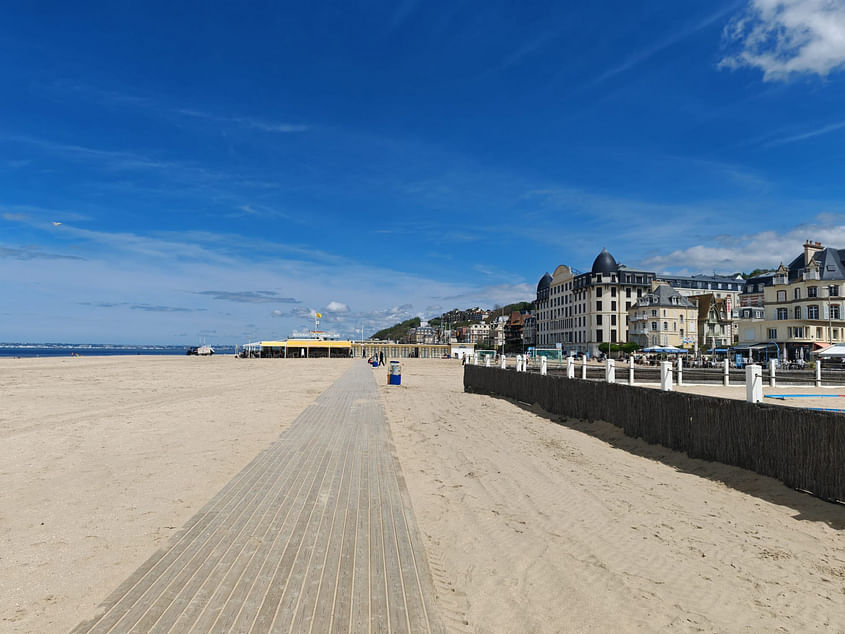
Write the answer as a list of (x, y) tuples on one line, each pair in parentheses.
[(810, 249)]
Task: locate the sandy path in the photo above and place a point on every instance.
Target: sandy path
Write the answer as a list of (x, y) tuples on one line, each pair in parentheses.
[(534, 526), (102, 459)]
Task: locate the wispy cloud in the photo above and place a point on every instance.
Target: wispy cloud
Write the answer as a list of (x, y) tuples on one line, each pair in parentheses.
[(150, 308), (786, 37), (34, 254), (250, 297), (766, 249), (679, 35), (246, 122), (826, 129), (165, 309)]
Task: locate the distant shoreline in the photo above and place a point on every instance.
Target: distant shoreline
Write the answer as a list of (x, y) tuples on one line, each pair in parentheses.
[(91, 350)]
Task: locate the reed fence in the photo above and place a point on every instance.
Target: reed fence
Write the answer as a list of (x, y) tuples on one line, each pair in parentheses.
[(804, 449)]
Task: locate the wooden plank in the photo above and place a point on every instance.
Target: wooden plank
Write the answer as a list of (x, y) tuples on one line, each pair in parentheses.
[(325, 547), (214, 580), (247, 591), (291, 573)]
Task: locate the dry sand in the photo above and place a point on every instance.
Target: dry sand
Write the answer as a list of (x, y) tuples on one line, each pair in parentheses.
[(540, 525), (530, 524), (102, 459)]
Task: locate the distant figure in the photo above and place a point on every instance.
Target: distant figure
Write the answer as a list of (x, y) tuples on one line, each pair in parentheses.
[(381, 358)]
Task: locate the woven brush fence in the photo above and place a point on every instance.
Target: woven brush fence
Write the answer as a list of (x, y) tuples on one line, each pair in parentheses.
[(802, 448)]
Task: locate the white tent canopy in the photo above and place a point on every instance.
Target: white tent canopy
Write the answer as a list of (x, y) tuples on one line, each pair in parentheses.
[(836, 350)]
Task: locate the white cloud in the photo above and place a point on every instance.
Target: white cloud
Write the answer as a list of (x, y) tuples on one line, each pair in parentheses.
[(766, 249), (782, 37), (337, 307)]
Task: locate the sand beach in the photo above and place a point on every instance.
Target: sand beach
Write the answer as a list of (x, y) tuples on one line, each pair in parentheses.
[(530, 524)]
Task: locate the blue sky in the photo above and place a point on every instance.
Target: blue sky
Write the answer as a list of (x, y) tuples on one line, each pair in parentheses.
[(224, 170)]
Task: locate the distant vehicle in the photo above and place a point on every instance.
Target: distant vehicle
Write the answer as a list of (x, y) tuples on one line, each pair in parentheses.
[(202, 351)]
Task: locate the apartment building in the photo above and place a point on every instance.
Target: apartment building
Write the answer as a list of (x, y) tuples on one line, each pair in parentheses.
[(581, 310), (803, 307), (663, 317)]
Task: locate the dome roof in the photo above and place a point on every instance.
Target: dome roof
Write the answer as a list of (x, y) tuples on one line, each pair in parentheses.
[(544, 282), (605, 263)]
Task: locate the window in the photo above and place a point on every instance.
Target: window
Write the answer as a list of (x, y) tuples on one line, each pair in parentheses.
[(834, 311), (599, 335), (665, 325), (613, 306), (773, 333), (613, 291), (813, 312), (627, 292), (654, 325), (598, 306), (613, 320), (627, 305), (682, 332), (797, 312), (664, 312), (598, 320), (598, 292), (781, 296), (819, 332), (781, 314), (834, 290), (796, 293), (812, 291), (639, 293)]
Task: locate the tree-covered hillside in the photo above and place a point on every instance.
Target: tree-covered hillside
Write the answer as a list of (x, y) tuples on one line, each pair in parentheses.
[(399, 331)]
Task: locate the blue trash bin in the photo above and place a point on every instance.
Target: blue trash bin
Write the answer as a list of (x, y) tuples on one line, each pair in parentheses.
[(394, 376)]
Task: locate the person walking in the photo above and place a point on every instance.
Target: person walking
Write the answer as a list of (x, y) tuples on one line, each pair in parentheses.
[(381, 358)]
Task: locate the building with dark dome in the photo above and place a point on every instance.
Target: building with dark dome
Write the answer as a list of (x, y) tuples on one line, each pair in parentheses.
[(579, 310), (605, 263)]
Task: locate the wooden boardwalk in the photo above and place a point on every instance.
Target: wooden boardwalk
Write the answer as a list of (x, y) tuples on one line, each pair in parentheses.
[(314, 535)]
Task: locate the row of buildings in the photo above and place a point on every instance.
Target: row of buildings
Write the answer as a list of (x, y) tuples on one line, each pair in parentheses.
[(790, 312)]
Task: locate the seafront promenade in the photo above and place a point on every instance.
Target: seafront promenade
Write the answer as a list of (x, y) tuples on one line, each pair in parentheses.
[(316, 534)]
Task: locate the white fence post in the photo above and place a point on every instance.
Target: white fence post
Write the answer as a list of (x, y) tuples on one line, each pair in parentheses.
[(487, 360), (584, 367), (818, 372), (666, 376), (570, 368), (772, 365), (610, 371), (753, 383), (631, 370), (727, 377), (543, 366), (504, 362), (680, 371)]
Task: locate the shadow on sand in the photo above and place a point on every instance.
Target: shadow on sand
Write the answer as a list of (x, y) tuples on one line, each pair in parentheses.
[(806, 506)]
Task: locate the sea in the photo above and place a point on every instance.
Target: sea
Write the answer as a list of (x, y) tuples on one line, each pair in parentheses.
[(94, 350)]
